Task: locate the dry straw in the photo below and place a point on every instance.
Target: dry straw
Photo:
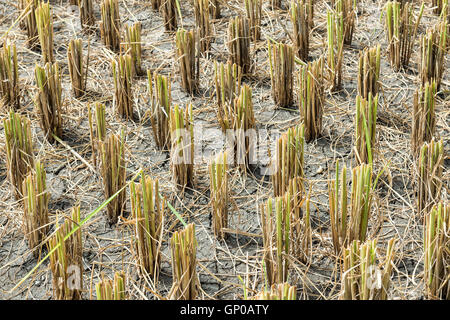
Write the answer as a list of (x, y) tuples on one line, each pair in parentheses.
[(254, 12), (122, 69), (169, 13), (114, 175), (19, 150), (423, 116), (282, 291), (133, 46), (365, 128), (281, 62), (77, 69), (219, 194), (30, 24), (9, 76), (44, 24), (335, 49), (369, 71), (301, 13), (97, 131), (161, 100), (348, 225), (228, 77), (239, 43), (66, 262), (35, 207), (183, 246), (433, 49), (148, 213), (87, 17), (108, 289), (182, 148), (311, 98), (429, 180), (201, 11), (48, 100), (363, 278), (243, 123), (110, 24), (187, 60), (436, 242), (346, 13), (401, 30), (289, 161)]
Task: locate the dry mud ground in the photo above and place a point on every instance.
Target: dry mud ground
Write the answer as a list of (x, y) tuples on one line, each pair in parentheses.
[(108, 249)]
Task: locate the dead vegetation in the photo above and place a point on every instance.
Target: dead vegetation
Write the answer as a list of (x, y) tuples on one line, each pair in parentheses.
[(272, 216)]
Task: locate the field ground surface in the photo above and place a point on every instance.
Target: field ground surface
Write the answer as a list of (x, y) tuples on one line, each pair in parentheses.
[(220, 263)]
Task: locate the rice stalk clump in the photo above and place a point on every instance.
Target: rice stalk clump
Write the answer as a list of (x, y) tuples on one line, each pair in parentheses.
[(369, 71), (48, 100), (335, 50), (289, 160), (300, 14), (433, 50), (429, 178), (423, 126), (110, 24), (161, 100), (436, 241), (44, 25), (112, 170), (187, 60), (170, 14), (239, 43), (66, 263), (363, 277), (401, 30), (19, 150), (311, 98), (228, 78), (9, 76), (133, 46), (35, 207), (148, 213), (219, 193), (108, 289), (122, 70), (182, 146), (365, 128), (281, 62), (183, 245), (87, 18), (77, 68)]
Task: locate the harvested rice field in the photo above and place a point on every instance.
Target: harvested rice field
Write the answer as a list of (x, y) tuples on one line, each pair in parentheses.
[(214, 149)]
